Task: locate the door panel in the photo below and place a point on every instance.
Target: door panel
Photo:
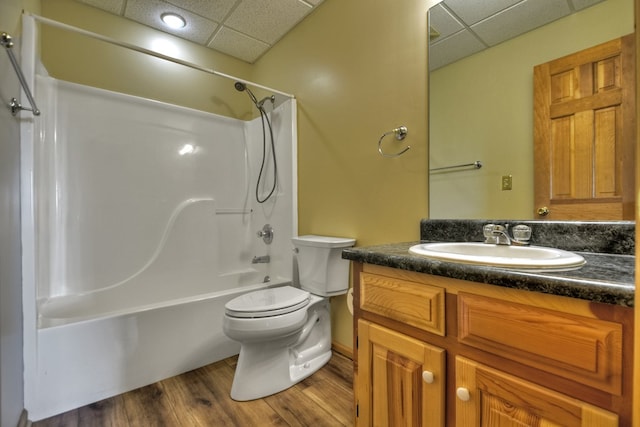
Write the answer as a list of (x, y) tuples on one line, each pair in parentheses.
[(584, 133)]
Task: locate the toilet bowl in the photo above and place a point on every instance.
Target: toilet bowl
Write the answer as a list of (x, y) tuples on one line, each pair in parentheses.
[(285, 332)]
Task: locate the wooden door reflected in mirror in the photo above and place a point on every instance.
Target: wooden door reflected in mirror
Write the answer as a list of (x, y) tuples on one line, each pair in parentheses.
[(584, 134)]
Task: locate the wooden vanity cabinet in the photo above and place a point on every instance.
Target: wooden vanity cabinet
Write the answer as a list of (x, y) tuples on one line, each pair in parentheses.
[(433, 351)]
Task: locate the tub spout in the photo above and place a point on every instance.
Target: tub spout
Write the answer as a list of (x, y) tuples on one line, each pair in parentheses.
[(261, 259)]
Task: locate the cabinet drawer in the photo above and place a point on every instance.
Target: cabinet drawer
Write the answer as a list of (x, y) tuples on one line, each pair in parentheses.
[(581, 349), (415, 304)]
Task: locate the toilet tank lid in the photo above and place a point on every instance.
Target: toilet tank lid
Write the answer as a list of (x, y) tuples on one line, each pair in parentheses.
[(323, 241)]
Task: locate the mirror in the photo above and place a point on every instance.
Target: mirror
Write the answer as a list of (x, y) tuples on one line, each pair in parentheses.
[(481, 94)]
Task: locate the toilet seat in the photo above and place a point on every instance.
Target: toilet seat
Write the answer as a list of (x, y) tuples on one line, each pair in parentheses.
[(267, 302)]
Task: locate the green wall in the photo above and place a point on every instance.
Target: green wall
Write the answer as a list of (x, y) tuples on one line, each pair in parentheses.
[(358, 69), (83, 60)]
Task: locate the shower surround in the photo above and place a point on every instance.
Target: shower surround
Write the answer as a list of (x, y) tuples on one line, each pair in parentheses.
[(139, 223)]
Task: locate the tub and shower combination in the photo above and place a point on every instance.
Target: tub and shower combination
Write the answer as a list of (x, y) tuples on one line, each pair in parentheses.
[(139, 224)]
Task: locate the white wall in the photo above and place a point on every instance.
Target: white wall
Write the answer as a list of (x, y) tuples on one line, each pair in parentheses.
[(11, 385)]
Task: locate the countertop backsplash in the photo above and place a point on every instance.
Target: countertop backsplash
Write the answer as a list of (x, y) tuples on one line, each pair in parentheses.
[(611, 237)]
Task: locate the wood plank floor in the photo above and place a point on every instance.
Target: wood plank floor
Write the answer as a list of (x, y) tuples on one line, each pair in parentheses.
[(200, 398)]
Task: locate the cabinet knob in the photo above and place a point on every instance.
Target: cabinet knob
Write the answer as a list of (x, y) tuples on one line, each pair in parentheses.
[(463, 394), (427, 376), (543, 211)]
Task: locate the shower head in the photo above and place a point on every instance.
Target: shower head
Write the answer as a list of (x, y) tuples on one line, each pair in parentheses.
[(242, 87)]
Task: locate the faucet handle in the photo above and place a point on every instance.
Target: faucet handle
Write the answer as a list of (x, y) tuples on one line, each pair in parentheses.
[(488, 232), (522, 234), (266, 233), (487, 229)]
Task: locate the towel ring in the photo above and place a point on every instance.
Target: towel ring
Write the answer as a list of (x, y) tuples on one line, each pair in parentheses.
[(400, 133)]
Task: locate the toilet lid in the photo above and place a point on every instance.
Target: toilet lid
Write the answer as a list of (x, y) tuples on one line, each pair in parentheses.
[(268, 302)]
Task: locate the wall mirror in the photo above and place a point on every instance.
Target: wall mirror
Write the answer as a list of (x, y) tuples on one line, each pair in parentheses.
[(481, 59)]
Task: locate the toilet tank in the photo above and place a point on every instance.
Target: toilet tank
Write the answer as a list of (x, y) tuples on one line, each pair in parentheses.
[(321, 268)]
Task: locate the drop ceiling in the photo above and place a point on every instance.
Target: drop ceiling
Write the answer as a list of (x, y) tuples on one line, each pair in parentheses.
[(244, 29), (460, 28)]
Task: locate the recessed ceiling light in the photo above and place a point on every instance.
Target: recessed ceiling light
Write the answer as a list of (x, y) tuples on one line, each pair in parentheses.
[(173, 20)]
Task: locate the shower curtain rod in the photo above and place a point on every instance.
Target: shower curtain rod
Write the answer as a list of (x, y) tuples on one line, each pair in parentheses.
[(133, 47)]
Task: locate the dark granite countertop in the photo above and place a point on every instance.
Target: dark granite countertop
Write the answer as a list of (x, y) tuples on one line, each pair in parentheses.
[(605, 278)]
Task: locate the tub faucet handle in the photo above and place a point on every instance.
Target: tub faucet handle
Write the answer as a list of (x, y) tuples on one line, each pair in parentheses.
[(266, 233)]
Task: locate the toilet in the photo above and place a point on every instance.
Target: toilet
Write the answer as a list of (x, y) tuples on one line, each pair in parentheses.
[(285, 332)]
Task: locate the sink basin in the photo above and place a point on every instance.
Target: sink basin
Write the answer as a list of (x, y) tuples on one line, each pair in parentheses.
[(531, 258)]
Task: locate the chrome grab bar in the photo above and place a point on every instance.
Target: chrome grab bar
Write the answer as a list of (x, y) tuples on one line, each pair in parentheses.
[(476, 165), (14, 105)]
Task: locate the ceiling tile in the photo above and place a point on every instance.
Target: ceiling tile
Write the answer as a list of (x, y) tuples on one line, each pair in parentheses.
[(239, 45), (251, 26), (474, 11), (453, 48), (442, 21), (267, 20), (198, 29), (112, 6), (246, 29), (215, 10), (519, 19)]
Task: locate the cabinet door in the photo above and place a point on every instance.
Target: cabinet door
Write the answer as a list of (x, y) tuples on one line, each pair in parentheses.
[(488, 397), (400, 380)]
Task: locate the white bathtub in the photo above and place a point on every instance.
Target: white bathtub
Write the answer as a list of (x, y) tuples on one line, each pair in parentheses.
[(123, 349), (132, 247)]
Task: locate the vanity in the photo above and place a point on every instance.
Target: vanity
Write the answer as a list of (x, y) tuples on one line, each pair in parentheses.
[(441, 343)]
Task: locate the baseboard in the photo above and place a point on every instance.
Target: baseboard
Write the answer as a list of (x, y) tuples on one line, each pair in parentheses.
[(342, 349), (24, 419)]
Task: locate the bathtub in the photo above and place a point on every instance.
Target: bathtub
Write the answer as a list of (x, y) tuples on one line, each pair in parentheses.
[(126, 348), (126, 273)]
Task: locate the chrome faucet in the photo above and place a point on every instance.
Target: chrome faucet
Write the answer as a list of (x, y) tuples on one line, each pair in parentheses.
[(499, 234), (261, 259)]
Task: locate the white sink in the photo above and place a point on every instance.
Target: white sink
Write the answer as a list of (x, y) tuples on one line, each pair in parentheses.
[(533, 258)]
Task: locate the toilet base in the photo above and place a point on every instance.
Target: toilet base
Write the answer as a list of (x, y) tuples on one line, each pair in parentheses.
[(264, 375), (268, 367)]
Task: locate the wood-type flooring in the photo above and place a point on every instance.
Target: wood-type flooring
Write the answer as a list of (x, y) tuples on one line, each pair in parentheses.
[(200, 398)]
